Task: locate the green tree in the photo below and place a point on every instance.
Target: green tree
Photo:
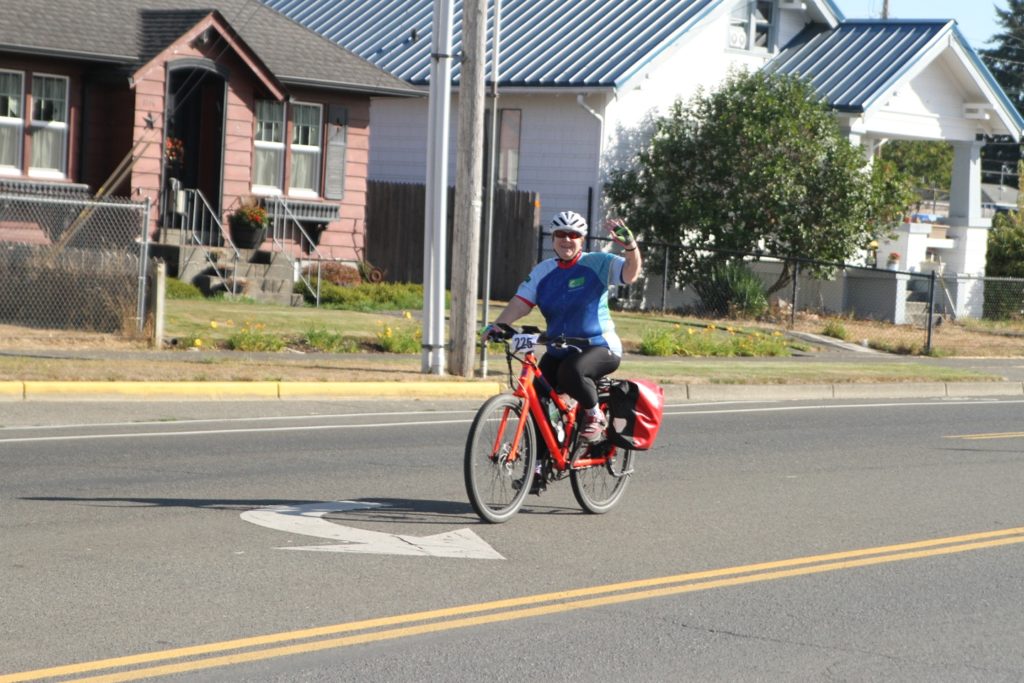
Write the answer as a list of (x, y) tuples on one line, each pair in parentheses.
[(1005, 252), (757, 165), (928, 163), (1006, 62)]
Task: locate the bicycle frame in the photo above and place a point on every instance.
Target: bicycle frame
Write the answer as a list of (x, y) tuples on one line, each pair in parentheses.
[(526, 390)]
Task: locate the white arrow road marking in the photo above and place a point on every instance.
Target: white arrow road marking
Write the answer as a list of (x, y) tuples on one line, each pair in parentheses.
[(308, 520)]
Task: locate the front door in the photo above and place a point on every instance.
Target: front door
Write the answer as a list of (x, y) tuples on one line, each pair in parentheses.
[(193, 152)]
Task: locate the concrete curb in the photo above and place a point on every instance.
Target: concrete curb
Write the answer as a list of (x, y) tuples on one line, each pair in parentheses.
[(55, 391), (12, 391)]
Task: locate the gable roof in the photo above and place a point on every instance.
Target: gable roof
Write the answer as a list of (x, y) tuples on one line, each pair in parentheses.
[(854, 64), (569, 43), (130, 32)]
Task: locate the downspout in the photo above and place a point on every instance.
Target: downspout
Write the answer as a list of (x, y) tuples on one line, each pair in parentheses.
[(581, 100)]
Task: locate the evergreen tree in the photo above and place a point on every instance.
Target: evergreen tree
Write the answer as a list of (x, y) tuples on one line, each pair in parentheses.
[(1006, 62)]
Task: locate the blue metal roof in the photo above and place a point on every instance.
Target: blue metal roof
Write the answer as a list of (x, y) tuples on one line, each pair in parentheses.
[(581, 43), (855, 62)]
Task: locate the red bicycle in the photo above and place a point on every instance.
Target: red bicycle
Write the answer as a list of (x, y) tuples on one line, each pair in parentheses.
[(501, 460)]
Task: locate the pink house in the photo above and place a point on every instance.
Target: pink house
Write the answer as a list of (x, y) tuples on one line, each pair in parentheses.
[(199, 106)]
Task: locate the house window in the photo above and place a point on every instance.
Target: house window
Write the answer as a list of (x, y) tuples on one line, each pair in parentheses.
[(12, 120), (306, 150), (509, 125), (49, 126), (268, 157), (750, 25)]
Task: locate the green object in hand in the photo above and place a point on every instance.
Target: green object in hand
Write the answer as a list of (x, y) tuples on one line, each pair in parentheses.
[(624, 235)]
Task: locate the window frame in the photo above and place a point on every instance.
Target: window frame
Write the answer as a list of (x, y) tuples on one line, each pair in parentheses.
[(270, 145), (62, 126), (501, 168), (298, 150), (751, 23), (17, 123)]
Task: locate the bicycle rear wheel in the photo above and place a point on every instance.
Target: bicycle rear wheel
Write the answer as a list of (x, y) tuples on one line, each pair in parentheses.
[(600, 487), (498, 480)]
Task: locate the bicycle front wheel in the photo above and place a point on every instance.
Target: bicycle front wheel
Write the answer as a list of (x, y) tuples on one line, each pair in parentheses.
[(600, 487), (498, 478)]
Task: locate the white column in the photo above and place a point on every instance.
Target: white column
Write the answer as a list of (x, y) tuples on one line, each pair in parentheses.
[(965, 193)]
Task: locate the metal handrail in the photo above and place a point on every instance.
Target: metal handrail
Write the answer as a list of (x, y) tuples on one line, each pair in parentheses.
[(199, 217), (281, 214)]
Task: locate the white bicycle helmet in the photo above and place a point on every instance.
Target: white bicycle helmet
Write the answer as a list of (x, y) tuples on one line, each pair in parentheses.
[(570, 220)]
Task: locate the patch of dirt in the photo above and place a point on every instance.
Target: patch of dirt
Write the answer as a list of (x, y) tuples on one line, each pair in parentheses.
[(28, 338)]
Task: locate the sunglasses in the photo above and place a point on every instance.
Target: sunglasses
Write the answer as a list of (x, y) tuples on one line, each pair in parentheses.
[(565, 234)]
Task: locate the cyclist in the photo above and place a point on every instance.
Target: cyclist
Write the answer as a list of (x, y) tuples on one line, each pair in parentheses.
[(572, 293)]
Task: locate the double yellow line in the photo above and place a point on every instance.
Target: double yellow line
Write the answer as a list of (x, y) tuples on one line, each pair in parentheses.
[(258, 648), (993, 435)]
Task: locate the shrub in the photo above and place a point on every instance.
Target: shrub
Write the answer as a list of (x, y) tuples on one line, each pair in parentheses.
[(330, 342), (739, 293), (252, 338), (400, 339), (335, 273), (712, 341), (660, 342), (176, 289), (835, 328), (385, 296)]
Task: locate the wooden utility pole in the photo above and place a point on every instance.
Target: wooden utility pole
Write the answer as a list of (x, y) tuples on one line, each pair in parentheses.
[(885, 9), (468, 189)]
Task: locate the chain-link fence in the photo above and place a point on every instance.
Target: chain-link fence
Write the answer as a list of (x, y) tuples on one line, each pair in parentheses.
[(926, 311), (70, 262)]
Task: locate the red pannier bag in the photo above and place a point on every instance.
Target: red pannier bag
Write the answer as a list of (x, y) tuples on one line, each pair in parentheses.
[(635, 407)]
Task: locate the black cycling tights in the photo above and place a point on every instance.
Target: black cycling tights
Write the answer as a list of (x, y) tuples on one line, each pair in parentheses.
[(577, 373)]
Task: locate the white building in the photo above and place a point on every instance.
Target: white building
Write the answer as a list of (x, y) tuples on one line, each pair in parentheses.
[(580, 79)]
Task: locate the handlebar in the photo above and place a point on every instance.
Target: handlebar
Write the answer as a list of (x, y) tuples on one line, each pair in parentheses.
[(504, 332)]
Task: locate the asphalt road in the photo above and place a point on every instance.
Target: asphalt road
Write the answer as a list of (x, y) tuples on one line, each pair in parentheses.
[(758, 541)]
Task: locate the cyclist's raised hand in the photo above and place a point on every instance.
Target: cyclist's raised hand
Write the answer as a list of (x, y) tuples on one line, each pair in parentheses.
[(621, 233)]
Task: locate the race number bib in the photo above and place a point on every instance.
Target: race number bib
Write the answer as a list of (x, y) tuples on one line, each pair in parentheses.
[(522, 343)]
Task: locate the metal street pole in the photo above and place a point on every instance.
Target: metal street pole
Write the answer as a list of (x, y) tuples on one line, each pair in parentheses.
[(492, 178), (436, 204)]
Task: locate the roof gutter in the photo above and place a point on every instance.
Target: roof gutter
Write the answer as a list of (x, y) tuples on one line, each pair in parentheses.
[(73, 55), (581, 100), (410, 91)]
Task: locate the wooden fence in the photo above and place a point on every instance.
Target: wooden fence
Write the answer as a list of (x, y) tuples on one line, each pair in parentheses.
[(394, 235)]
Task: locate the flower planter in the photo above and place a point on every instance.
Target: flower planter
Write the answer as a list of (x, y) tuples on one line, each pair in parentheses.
[(248, 236)]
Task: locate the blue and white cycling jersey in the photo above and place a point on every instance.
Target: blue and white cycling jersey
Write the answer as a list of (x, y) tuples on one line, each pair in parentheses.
[(573, 297)]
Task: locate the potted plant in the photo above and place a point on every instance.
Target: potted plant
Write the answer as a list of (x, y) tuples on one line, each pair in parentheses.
[(248, 225), (894, 260), (174, 155)]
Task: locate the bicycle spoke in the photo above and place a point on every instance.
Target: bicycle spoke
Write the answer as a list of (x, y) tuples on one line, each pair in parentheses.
[(498, 470)]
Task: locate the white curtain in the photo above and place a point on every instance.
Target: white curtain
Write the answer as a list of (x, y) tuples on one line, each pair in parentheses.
[(48, 148), (10, 119), (10, 136), (305, 147), (268, 159), (266, 169)]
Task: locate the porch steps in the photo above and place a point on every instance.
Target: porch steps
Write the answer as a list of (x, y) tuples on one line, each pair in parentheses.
[(916, 313), (257, 274)]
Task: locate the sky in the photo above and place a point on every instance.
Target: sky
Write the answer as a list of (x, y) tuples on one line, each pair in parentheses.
[(976, 18)]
